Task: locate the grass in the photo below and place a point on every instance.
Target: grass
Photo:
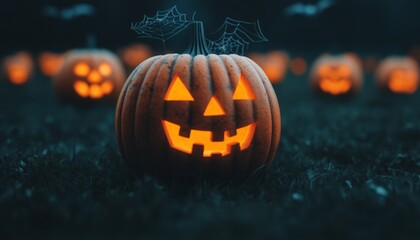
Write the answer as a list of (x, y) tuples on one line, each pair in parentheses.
[(345, 169)]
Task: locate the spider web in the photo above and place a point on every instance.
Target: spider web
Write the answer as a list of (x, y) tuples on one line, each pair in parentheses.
[(163, 26), (236, 36)]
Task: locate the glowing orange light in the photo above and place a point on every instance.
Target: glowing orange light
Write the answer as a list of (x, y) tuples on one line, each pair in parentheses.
[(105, 69), (95, 91), (107, 87), (243, 90), (135, 54), (81, 69), (243, 137), (335, 80), (81, 88), (177, 91), (403, 82), (50, 63), (214, 108), (18, 68), (274, 64), (18, 74), (94, 77), (298, 66)]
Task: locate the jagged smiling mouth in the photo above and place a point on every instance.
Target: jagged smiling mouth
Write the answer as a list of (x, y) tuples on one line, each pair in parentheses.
[(243, 137)]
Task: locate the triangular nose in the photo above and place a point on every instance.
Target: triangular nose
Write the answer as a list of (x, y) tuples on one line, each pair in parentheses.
[(214, 108)]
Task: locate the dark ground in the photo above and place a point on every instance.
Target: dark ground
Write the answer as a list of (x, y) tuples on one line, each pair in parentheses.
[(347, 169)]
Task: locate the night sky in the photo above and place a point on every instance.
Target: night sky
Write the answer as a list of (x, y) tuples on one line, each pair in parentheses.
[(371, 25)]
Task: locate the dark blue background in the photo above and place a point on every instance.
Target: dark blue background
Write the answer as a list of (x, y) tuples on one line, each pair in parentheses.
[(374, 24)]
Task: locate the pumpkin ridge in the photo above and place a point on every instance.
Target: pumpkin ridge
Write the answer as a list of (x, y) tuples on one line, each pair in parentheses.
[(143, 120), (128, 103), (274, 110), (118, 115), (122, 99), (190, 87)]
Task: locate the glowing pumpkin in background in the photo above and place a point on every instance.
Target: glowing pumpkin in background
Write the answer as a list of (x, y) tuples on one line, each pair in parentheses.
[(135, 54), (398, 75), (50, 63), (204, 115), (89, 76), (298, 66), (18, 68), (274, 64), (336, 75)]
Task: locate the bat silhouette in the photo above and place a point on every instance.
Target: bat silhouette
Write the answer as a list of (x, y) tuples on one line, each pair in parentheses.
[(72, 12), (308, 9)]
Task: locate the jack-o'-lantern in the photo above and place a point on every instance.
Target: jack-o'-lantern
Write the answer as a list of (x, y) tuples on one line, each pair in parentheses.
[(336, 75), (50, 63), (273, 63), (298, 66), (135, 54), (18, 68), (89, 76), (198, 115), (398, 75)]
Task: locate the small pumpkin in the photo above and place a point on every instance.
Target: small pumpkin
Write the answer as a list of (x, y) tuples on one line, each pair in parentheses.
[(273, 63), (89, 76), (398, 75), (50, 63), (336, 75), (18, 68), (135, 54)]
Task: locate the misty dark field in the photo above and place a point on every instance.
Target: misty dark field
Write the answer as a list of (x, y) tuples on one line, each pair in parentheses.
[(345, 169)]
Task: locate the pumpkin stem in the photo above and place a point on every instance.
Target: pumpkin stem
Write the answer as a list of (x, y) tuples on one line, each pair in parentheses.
[(198, 45)]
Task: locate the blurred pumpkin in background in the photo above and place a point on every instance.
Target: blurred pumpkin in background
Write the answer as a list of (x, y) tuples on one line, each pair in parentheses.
[(398, 75), (336, 75), (18, 68), (273, 63), (298, 66), (89, 76), (134, 54), (50, 63)]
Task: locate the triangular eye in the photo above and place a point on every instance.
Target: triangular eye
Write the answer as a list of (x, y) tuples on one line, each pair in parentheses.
[(177, 91), (243, 90)]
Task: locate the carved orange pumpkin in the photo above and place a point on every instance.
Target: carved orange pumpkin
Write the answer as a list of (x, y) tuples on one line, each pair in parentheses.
[(18, 68), (274, 64), (211, 115), (398, 75), (336, 75), (89, 76), (135, 54), (298, 66), (50, 63)]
